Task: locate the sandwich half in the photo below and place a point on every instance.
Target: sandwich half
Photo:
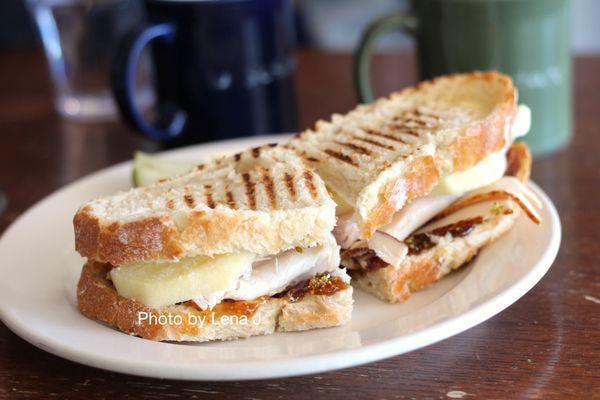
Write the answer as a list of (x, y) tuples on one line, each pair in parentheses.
[(419, 178), (240, 246), (445, 241)]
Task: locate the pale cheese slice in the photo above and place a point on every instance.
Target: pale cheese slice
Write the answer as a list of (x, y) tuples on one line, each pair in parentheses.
[(484, 173), (162, 284)]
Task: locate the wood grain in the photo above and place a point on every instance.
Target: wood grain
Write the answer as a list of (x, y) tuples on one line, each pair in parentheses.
[(545, 346)]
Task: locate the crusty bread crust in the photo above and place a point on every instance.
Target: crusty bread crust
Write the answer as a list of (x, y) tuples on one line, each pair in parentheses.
[(203, 233), (416, 272), (98, 299), (419, 179), (263, 200), (379, 156)]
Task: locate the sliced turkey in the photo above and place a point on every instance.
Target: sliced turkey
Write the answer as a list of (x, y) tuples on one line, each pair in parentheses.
[(388, 248), (416, 213), (272, 275)]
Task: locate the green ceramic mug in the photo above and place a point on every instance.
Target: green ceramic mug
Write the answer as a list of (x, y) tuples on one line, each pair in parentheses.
[(527, 39)]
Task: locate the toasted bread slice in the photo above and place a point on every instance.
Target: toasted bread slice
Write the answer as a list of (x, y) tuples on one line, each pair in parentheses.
[(263, 201), (419, 270), (379, 156), (98, 299)]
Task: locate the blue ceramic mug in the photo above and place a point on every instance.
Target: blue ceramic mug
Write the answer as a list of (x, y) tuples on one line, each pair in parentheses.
[(223, 69)]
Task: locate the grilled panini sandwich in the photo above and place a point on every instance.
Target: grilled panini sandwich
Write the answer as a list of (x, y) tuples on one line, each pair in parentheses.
[(240, 246), (419, 178)]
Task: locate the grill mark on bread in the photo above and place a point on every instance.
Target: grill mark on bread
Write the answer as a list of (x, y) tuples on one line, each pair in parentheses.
[(411, 132), (355, 147), (426, 114), (403, 128), (384, 135), (189, 200), (250, 190), (310, 184), (289, 184), (200, 167), (420, 118), (255, 152), (170, 204), (414, 122), (311, 159), (230, 198), (375, 143), (267, 181), (209, 196), (237, 157), (341, 156), (409, 112), (417, 121)]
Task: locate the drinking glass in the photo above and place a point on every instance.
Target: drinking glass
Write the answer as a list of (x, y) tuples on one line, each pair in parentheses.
[(79, 39)]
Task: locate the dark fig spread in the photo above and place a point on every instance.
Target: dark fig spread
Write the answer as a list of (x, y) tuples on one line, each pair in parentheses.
[(319, 285), (231, 307), (422, 241)]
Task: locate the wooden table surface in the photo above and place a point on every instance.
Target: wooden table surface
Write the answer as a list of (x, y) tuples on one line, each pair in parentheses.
[(547, 345)]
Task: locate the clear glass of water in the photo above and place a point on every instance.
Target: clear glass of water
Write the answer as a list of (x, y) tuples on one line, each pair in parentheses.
[(80, 38)]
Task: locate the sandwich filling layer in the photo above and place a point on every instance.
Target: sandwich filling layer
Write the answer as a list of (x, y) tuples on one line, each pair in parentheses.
[(483, 185), (207, 281)]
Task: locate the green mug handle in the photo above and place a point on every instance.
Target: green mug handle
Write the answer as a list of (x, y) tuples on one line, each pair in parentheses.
[(362, 58)]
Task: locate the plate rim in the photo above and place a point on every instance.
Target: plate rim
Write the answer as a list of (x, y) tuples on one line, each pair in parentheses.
[(299, 365)]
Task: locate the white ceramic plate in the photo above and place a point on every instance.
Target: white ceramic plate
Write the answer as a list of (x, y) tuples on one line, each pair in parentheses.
[(40, 269)]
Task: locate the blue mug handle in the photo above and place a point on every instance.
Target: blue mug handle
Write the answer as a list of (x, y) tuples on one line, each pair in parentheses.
[(123, 84)]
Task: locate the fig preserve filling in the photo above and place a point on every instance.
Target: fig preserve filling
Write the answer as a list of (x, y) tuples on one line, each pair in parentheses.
[(231, 307), (365, 260), (422, 241), (323, 284)]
